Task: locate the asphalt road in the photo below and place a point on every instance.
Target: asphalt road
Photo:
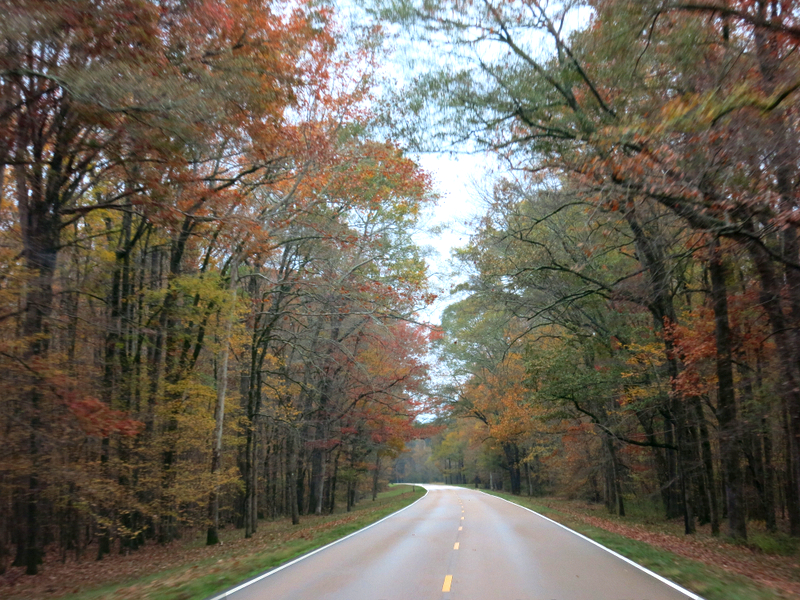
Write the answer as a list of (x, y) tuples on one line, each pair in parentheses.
[(460, 544)]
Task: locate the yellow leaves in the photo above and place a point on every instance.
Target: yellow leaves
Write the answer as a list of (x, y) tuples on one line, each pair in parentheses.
[(287, 413), (636, 394), (650, 354), (643, 381), (675, 113), (700, 111)]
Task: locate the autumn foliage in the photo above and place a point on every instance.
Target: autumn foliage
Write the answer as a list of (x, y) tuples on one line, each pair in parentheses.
[(206, 273), (643, 245)]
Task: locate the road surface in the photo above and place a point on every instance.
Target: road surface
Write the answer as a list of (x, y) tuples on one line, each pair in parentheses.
[(461, 544)]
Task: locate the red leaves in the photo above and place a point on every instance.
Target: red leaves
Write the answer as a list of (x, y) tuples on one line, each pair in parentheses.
[(97, 419), (695, 345)]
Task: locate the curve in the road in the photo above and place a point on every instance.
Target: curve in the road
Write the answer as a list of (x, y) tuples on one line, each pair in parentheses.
[(461, 544)]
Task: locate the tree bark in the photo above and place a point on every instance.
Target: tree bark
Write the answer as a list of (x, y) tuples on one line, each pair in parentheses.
[(40, 227), (789, 386), (726, 399), (376, 476), (708, 466), (291, 475), (650, 254), (212, 536)]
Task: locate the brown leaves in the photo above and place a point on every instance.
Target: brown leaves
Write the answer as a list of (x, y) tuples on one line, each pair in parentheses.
[(97, 419)]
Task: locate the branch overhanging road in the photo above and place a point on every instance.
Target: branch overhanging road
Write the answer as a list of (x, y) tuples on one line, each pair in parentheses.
[(461, 544)]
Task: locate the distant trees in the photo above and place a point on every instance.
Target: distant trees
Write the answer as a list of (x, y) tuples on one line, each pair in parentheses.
[(207, 273)]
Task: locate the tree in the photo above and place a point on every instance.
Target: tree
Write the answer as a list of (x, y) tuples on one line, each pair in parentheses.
[(648, 111), (192, 196)]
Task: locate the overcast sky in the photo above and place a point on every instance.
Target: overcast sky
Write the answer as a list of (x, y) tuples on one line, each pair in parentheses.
[(458, 181)]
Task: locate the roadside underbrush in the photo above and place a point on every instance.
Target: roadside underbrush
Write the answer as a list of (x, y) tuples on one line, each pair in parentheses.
[(191, 570), (767, 568)]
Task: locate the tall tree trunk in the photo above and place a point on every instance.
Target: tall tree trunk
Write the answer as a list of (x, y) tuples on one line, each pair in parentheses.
[(292, 452), (511, 451), (726, 400), (670, 493), (321, 482), (528, 478), (253, 410), (212, 536), (318, 462), (40, 226), (708, 465), (789, 386), (614, 500), (661, 459), (791, 252), (352, 484), (783, 158), (250, 481), (650, 254), (334, 476), (376, 475), (769, 480), (684, 459)]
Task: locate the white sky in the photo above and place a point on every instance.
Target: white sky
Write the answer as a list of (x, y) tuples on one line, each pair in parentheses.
[(458, 180)]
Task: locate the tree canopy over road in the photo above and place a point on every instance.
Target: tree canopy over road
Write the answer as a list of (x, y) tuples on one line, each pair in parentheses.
[(634, 298), (209, 285)]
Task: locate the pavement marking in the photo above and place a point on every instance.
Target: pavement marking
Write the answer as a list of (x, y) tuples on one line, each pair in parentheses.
[(455, 547), (447, 581), (674, 586), (313, 552), (460, 528), (462, 518)]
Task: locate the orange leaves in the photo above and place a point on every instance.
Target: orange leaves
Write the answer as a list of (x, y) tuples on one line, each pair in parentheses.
[(97, 419), (694, 340), (500, 397), (695, 347)]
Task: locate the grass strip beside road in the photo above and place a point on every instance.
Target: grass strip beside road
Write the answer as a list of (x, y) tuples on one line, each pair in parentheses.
[(712, 583), (213, 575)]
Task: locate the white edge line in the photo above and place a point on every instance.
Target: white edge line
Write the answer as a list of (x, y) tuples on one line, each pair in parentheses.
[(671, 584), (313, 552)]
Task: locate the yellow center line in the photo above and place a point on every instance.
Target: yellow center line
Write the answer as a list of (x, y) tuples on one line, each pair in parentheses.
[(447, 581), (462, 518), (455, 547), (460, 528)]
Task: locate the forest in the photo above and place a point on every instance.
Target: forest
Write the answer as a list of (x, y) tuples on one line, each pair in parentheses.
[(627, 328), (208, 280), (210, 288)]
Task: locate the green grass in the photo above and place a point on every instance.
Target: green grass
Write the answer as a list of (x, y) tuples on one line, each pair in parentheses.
[(774, 543), (708, 581), (213, 575), (398, 489)]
